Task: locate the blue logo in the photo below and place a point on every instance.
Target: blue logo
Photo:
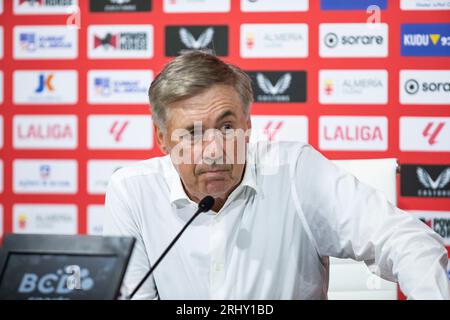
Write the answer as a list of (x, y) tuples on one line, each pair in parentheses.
[(432, 40), (28, 41), (102, 86), (44, 171), (351, 4)]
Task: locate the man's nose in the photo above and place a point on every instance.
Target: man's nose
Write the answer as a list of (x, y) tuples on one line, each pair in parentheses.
[(212, 146)]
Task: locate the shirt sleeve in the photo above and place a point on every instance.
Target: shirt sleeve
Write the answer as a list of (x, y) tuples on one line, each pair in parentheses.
[(120, 221), (349, 219)]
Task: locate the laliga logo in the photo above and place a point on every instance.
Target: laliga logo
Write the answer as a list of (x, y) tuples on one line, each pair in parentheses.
[(202, 42), (280, 87), (58, 282)]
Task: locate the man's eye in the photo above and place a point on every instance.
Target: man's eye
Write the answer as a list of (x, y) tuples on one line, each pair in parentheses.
[(227, 127)]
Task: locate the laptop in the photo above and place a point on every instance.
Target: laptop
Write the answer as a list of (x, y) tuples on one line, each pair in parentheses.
[(63, 267)]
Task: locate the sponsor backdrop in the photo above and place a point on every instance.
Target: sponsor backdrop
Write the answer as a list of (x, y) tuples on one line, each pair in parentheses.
[(356, 79)]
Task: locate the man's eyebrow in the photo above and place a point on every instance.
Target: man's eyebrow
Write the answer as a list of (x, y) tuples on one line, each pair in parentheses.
[(226, 114)]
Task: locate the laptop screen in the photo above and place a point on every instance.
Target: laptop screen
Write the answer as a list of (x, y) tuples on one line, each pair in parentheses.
[(63, 267)]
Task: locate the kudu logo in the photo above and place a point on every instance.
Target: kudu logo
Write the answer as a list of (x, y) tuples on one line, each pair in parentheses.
[(431, 132), (117, 129), (442, 180), (279, 88), (53, 283), (201, 43)]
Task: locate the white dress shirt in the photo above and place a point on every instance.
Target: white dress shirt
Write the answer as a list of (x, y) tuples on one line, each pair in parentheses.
[(273, 236)]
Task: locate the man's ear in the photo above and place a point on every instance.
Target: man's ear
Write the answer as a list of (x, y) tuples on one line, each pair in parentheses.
[(249, 128), (160, 139)]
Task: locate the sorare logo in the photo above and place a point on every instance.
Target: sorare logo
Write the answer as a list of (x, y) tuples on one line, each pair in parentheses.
[(430, 40)]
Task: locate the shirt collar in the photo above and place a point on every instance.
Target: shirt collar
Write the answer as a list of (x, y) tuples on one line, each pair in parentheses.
[(179, 197)]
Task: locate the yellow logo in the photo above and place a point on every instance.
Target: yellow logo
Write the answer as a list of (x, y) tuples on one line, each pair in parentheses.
[(435, 38)]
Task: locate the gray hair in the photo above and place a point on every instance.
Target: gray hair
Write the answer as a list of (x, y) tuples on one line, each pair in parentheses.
[(190, 74)]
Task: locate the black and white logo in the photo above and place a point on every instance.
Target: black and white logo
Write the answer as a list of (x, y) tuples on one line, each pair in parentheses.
[(412, 86), (424, 86), (353, 40), (331, 40), (120, 5), (279, 86), (212, 39), (425, 181)]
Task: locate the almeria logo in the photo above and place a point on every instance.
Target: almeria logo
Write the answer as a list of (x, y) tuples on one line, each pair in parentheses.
[(201, 43), (117, 129), (250, 40), (425, 179), (328, 88), (280, 87), (272, 128), (432, 130)]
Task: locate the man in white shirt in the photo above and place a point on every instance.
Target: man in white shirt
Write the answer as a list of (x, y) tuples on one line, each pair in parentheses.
[(281, 209)]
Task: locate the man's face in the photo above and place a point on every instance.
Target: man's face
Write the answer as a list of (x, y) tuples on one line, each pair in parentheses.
[(206, 137)]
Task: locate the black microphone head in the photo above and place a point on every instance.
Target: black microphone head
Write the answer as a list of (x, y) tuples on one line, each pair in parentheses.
[(206, 203)]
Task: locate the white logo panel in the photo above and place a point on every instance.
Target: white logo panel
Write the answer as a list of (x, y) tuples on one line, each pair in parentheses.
[(1, 132), (2, 175), (95, 219), (45, 176), (274, 5), (45, 219), (1, 221), (119, 86), (120, 132), (120, 41), (45, 87), (1, 42), (1, 87), (438, 221), (274, 40), (353, 86), (424, 5), (45, 42), (100, 171), (353, 40), (279, 128), (353, 133), (425, 134), (193, 6), (45, 132), (44, 6), (425, 86)]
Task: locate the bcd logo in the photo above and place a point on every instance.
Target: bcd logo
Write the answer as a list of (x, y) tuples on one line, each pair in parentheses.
[(53, 283)]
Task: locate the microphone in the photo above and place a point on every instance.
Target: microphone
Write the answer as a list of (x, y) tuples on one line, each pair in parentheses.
[(203, 206)]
